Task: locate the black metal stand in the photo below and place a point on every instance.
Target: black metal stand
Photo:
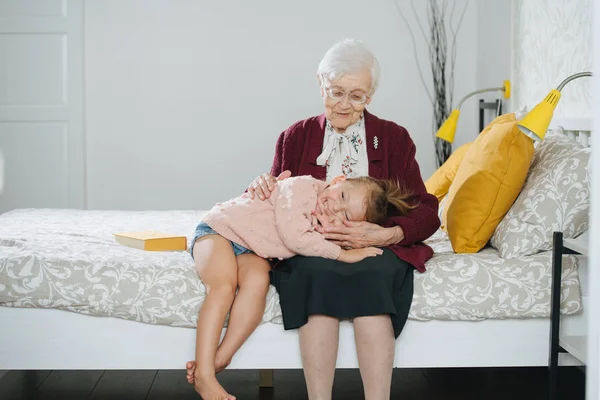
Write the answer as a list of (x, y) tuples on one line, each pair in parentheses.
[(558, 249), (557, 252), (495, 105)]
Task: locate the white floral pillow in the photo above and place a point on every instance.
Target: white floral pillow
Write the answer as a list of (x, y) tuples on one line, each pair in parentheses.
[(555, 197)]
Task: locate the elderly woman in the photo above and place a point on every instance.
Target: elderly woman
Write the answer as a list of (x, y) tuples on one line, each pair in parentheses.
[(315, 293), (375, 294)]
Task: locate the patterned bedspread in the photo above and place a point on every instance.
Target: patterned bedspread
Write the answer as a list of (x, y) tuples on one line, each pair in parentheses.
[(69, 260), (485, 286)]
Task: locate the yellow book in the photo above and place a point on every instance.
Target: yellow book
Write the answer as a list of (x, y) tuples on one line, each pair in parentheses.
[(152, 241)]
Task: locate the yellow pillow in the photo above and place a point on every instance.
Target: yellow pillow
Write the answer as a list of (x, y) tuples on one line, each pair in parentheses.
[(486, 184), (439, 183)]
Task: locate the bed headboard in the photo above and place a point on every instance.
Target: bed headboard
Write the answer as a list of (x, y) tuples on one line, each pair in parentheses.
[(578, 129)]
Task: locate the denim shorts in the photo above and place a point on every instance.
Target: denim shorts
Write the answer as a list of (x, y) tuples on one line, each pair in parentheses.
[(204, 229)]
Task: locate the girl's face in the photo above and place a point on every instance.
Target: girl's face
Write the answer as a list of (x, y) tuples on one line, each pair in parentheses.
[(345, 199)]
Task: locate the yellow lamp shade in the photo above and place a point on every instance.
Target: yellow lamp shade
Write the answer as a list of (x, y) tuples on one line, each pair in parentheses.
[(536, 122), (448, 128)]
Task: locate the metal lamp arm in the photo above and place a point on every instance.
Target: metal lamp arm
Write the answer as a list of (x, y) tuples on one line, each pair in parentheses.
[(496, 89), (572, 77)]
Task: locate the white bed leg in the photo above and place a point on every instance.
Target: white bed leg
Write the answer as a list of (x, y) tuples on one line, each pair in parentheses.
[(265, 378)]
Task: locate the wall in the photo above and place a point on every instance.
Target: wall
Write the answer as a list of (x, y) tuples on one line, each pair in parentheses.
[(185, 99), (552, 40), (483, 60), (494, 54), (41, 104), (593, 312)]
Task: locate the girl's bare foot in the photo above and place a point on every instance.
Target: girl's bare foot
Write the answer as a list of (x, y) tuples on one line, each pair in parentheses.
[(190, 367), (209, 388)]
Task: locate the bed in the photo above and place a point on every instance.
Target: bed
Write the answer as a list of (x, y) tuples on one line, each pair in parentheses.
[(71, 297)]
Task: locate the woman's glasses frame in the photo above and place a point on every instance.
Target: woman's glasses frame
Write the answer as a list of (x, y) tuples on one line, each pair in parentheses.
[(338, 94)]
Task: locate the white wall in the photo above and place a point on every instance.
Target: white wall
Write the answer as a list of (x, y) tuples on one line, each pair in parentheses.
[(185, 99), (487, 49), (41, 104), (493, 44), (552, 40), (494, 53)]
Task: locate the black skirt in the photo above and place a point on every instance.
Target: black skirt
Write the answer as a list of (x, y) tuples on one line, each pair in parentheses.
[(374, 286)]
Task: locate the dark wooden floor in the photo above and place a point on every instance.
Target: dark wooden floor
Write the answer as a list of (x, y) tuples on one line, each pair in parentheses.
[(430, 384)]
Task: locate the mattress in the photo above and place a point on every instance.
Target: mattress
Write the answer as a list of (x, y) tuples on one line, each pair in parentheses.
[(474, 287), (69, 260)]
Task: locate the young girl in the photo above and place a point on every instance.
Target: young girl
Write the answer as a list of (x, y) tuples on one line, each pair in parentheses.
[(277, 228)]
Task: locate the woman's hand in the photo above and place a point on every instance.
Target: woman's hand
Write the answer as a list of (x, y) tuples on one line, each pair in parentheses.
[(356, 235), (264, 184), (323, 218), (356, 255)]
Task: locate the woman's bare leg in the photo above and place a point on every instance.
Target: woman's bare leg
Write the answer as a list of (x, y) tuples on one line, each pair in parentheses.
[(375, 346), (217, 267), (319, 346), (248, 306)]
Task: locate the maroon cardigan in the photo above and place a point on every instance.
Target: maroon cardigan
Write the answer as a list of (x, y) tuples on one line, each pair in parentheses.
[(299, 146)]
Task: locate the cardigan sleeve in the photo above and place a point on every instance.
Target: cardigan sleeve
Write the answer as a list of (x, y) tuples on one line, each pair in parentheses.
[(292, 211), (285, 159), (278, 158), (422, 221)]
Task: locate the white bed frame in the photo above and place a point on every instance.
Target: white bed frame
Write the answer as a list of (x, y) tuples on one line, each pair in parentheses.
[(53, 339)]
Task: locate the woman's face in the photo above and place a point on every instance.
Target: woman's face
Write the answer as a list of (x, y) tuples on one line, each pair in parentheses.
[(346, 200), (343, 113)]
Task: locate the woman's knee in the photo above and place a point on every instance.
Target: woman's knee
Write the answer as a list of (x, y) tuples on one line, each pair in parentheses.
[(324, 320)]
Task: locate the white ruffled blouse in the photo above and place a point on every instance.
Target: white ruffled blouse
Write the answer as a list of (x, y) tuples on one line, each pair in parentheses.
[(345, 153)]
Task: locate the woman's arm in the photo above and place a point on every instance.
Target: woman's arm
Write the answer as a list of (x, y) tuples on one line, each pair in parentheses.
[(356, 235), (277, 166)]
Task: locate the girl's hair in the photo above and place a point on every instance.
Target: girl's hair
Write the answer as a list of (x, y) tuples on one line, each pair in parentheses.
[(383, 195)]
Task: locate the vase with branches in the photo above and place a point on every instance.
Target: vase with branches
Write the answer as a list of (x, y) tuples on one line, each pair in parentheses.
[(441, 40)]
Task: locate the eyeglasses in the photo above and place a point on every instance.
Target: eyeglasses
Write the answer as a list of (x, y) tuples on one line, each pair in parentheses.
[(355, 97)]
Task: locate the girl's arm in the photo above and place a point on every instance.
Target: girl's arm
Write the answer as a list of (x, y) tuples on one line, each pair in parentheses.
[(293, 207)]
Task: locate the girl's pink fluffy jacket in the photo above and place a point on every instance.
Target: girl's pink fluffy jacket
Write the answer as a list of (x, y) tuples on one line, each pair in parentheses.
[(278, 227)]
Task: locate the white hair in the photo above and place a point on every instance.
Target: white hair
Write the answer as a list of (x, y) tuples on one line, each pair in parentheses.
[(349, 56)]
